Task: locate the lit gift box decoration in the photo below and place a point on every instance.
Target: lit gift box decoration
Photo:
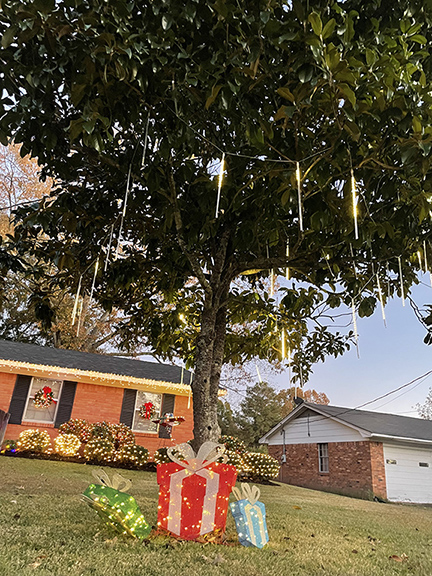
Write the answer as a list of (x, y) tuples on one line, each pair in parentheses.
[(194, 491), (115, 507), (249, 516)]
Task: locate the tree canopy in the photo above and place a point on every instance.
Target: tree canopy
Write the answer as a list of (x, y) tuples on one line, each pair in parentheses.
[(315, 111)]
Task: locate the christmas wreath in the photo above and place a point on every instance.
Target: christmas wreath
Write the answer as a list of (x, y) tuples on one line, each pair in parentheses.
[(44, 397), (148, 411)]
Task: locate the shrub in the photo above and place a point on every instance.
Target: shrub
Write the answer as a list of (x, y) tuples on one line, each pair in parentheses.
[(261, 466), (235, 459), (122, 435), (34, 441), (9, 446), (67, 444), (78, 427), (132, 454), (101, 430), (161, 456), (233, 444), (99, 450)]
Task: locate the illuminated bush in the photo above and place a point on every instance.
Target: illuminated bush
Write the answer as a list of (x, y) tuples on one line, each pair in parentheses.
[(261, 466), (9, 446), (233, 444), (99, 450), (235, 459), (122, 435), (67, 444), (161, 456), (34, 441), (132, 454), (78, 427)]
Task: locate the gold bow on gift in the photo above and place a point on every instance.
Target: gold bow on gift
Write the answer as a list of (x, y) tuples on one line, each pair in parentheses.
[(208, 453), (118, 482), (250, 493)]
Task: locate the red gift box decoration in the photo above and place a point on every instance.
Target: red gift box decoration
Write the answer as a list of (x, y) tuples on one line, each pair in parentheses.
[(194, 492)]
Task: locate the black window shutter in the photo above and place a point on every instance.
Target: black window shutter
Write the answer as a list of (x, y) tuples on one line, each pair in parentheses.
[(66, 401), (128, 407), (19, 398), (168, 401)]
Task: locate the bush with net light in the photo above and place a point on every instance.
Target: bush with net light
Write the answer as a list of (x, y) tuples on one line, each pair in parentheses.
[(67, 444), (132, 455), (233, 444), (99, 450), (34, 440), (161, 456), (259, 466), (77, 426)]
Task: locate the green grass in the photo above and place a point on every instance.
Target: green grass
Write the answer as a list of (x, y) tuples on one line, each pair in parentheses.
[(46, 530)]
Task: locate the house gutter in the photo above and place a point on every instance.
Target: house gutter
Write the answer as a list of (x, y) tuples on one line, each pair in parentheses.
[(400, 439)]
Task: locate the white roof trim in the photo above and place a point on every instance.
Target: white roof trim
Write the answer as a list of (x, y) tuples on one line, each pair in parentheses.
[(400, 438)]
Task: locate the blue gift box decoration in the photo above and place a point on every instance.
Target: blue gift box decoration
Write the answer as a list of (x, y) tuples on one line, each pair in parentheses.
[(250, 517)]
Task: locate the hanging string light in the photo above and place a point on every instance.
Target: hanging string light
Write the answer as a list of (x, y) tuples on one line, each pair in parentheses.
[(272, 282), (109, 248), (94, 279), (419, 259), (354, 316), (190, 391), (354, 202), (221, 174), (79, 316), (401, 281), (300, 204), (287, 270), (381, 300), (283, 344), (258, 372), (75, 306), (426, 267)]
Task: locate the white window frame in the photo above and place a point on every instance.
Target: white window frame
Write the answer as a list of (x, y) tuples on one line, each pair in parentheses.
[(30, 398), (137, 405), (323, 458)]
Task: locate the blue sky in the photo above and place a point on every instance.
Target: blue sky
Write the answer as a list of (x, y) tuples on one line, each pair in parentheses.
[(389, 358)]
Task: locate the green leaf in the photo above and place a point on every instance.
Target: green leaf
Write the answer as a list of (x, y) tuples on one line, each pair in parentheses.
[(417, 125), (8, 36), (316, 23), (213, 96), (418, 38), (348, 93), (167, 21), (329, 28), (286, 93)]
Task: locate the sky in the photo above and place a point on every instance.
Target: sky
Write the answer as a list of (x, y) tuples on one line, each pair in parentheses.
[(389, 357)]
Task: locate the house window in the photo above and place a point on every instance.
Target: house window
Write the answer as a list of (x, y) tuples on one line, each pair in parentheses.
[(323, 457), (45, 415), (140, 424)]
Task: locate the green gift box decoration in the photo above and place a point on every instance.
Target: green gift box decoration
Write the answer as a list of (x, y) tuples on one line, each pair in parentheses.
[(115, 507)]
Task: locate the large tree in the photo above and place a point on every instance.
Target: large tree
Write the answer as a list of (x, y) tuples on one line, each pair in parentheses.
[(312, 107)]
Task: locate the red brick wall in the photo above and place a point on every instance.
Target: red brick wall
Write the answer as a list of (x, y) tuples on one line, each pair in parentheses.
[(351, 470), (96, 403)]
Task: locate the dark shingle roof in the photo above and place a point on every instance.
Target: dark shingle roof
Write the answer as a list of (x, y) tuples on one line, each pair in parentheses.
[(378, 423), (45, 356)]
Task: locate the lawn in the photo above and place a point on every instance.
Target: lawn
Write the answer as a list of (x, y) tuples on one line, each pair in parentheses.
[(46, 530)]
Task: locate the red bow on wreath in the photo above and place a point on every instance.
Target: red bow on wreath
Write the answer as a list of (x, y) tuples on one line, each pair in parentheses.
[(46, 390), (148, 407)]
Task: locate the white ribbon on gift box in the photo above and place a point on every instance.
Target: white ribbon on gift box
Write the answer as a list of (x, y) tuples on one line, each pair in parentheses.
[(251, 494), (192, 463)]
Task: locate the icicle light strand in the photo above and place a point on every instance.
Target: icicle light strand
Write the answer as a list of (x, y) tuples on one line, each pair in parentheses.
[(287, 270), (258, 372), (221, 174), (401, 281), (283, 344), (300, 204), (354, 315), (94, 279), (354, 203), (124, 209), (426, 267), (419, 259), (272, 283), (75, 307), (381, 300)]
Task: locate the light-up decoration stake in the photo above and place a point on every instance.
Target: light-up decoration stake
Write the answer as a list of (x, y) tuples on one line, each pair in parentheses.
[(381, 300), (354, 316), (220, 180), (249, 516), (75, 306), (299, 196), (354, 202), (194, 491), (401, 281)]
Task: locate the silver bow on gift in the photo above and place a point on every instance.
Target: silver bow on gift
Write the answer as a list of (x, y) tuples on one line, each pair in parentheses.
[(118, 482)]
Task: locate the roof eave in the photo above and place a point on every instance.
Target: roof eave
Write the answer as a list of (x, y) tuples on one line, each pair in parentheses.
[(383, 437)]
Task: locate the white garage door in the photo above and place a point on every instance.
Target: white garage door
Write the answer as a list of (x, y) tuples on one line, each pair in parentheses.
[(408, 473)]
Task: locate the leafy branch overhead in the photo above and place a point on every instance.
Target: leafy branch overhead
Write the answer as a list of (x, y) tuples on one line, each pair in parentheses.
[(303, 105)]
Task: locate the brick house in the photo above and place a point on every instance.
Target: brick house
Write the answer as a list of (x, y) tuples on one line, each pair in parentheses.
[(354, 452), (94, 387)]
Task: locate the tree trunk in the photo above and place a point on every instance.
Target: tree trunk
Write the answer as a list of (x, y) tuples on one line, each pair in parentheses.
[(208, 365)]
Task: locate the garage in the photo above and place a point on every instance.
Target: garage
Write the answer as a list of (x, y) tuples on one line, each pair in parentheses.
[(408, 473)]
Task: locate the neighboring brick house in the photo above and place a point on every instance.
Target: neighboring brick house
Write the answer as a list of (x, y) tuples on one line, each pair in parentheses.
[(94, 387), (354, 452)]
